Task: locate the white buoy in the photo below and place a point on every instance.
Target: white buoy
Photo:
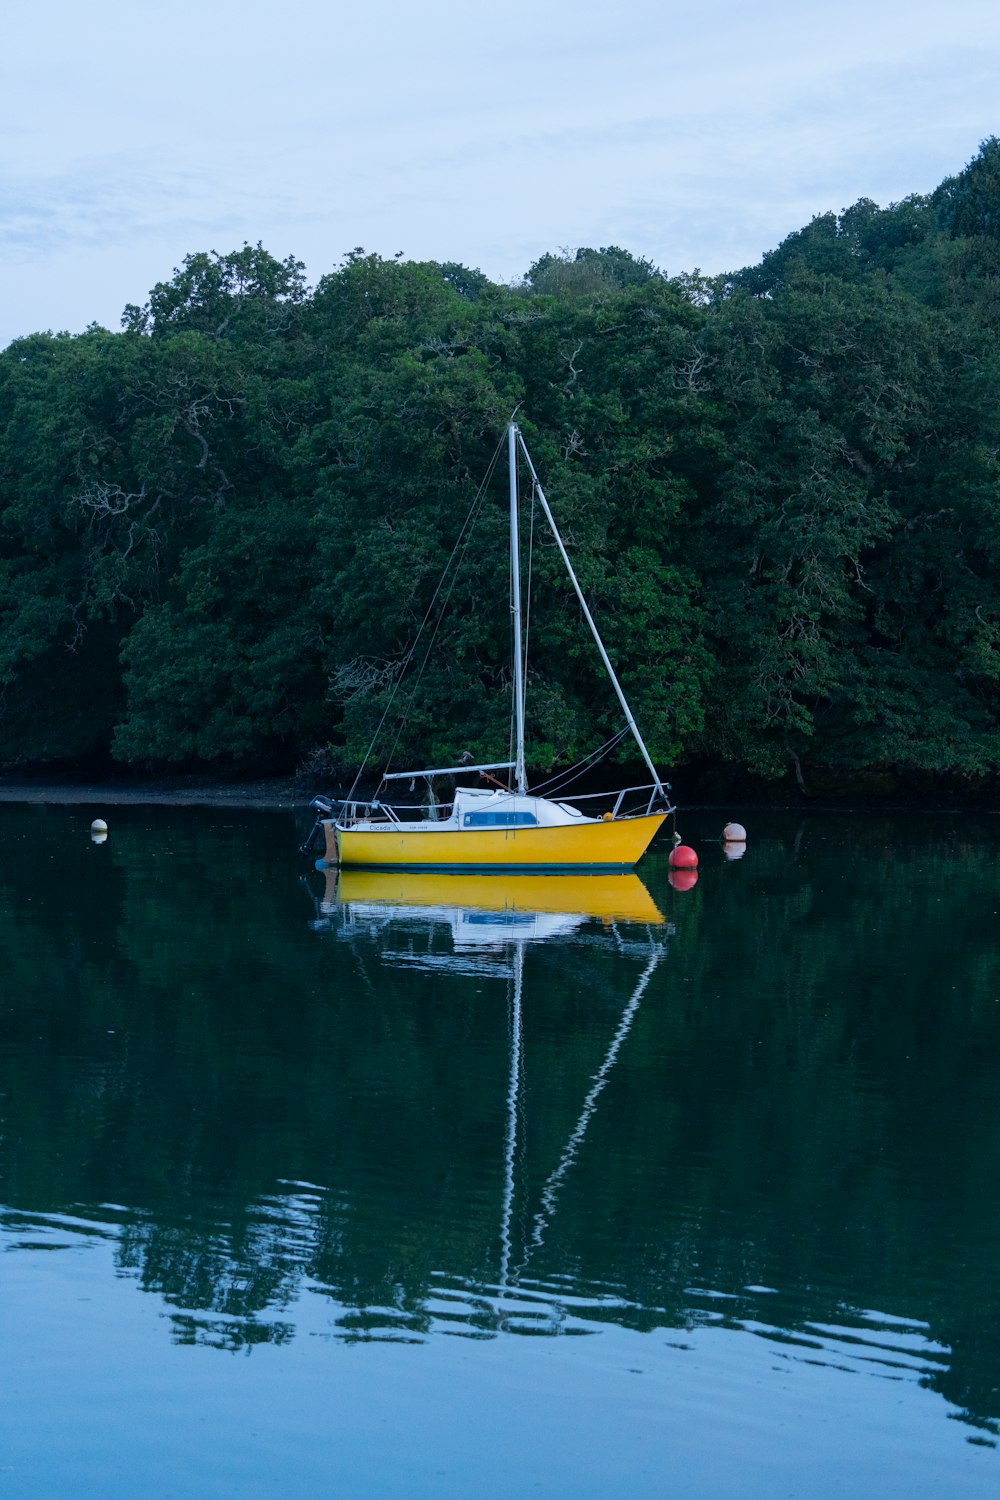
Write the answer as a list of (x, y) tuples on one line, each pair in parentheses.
[(98, 826), (99, 838), (734, 833), (734, 848)]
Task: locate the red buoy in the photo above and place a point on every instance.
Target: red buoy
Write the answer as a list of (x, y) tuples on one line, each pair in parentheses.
[(683, 858), (683, 880)]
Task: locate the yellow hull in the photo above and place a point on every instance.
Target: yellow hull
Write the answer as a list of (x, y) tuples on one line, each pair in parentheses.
[(613, 898), (614, 845)]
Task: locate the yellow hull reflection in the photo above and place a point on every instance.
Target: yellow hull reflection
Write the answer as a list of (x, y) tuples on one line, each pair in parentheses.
[(612, 898), (617, 844)]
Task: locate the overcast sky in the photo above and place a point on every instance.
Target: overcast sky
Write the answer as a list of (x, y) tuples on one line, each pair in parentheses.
[(697, 134)]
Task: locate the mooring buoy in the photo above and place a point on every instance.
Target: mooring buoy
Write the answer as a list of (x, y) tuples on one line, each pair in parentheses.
[(683, 858)]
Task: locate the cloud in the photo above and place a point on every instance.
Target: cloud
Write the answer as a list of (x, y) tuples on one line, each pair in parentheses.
[(693, 133)]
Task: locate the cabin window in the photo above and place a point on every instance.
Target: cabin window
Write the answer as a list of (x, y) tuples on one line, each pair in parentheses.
[(500, 820)]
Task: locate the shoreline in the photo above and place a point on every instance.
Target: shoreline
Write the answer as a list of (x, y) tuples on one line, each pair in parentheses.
[(277, 794), (287, 794)]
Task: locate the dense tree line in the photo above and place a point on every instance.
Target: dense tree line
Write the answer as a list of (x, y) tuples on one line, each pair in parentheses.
[(221, 527)]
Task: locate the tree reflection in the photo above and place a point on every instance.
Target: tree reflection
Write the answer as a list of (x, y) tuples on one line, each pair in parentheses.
[(799, 1136)]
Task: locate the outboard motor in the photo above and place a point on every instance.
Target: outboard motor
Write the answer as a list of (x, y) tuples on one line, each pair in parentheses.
[(325, 808)]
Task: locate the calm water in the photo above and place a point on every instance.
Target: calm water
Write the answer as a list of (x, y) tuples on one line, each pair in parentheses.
[(373, 1190)]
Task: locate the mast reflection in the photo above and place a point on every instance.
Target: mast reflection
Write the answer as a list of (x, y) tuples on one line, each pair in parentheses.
[(491, 921)]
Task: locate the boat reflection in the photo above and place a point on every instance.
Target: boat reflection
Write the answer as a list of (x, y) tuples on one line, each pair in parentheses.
[(611, 898), (484, 916), (492, 920), (484, 911)]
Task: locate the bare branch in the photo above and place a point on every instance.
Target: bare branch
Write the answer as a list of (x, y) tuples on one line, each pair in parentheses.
[(689, 373)]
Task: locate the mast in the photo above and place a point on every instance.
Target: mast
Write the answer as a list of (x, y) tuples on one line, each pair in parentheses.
[(520, 779), (590, 621)]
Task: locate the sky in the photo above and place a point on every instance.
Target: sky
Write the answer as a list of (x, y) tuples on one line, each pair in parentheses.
[(696, 134)]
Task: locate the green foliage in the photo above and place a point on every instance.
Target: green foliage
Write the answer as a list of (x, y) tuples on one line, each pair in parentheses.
[(222, 529), (244, 294), (588, 271)]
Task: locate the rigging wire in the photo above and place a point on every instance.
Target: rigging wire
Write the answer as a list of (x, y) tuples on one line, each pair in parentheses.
[(462, 541), (573, 773), (464, 538)]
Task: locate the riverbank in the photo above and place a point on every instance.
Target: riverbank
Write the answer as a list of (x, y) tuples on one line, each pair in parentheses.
[(697, 785), (170, 792)]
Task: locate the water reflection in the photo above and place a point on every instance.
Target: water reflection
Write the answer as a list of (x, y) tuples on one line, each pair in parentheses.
[(498, 916), (484, 914), (768, 1105)]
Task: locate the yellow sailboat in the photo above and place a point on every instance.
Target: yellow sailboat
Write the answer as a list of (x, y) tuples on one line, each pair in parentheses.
[(492, 826)]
